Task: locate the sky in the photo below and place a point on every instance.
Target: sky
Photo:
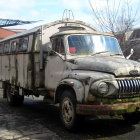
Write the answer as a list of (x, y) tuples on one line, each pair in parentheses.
[(48, 10)]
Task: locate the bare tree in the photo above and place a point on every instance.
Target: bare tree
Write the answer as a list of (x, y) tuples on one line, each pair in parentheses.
[(119, 16)]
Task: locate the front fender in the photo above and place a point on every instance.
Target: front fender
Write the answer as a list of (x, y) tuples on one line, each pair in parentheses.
[(77, 87)]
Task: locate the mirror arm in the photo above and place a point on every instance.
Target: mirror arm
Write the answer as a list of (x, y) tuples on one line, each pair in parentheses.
[(53, 53)]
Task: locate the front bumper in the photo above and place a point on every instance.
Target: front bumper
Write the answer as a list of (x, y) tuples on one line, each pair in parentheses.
[(115, 109)]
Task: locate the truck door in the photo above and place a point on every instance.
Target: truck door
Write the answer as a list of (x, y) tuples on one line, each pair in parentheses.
[(55, 64)]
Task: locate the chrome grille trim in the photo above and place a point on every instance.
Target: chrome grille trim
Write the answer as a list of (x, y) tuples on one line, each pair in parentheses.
[(129, 86)]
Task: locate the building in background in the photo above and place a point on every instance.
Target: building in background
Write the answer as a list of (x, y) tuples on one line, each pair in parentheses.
[(8, 32), (128, 41)]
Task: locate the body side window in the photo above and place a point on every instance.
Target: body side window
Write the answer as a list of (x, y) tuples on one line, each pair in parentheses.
[(23, 44)]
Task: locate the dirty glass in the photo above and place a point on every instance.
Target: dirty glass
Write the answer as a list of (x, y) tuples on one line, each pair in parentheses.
[(92, 44), (6, 47), (58, 45), (13, 46), (1, 48), (23, 44)]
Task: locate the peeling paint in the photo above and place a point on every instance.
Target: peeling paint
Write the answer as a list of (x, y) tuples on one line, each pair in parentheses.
[(115, 109)]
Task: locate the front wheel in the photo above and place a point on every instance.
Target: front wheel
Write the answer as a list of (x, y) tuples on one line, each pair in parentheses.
[(68, 114), (13, 100)]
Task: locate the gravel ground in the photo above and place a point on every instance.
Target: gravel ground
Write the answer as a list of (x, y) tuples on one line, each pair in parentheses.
[(36, 120)]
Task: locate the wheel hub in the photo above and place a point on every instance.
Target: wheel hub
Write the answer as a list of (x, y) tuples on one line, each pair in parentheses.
[(67, 111)]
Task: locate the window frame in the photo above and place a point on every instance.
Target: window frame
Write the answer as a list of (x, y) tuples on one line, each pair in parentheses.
[(21, 47), (15, 50), (60, 43), (1, 48), (6, 48)]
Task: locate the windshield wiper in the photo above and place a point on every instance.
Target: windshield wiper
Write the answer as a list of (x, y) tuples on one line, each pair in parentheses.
[(115, 54), (100, 52)]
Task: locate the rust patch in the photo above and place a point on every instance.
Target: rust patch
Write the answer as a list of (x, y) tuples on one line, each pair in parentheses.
[(107, 109)]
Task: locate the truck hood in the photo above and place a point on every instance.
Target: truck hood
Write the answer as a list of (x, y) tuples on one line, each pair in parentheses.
[(115, 65)]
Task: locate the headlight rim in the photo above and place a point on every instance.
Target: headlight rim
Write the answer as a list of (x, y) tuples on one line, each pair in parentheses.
[(101, 88)]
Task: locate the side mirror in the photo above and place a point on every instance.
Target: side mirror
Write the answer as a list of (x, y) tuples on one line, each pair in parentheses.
[(131, 53), (48, 47)]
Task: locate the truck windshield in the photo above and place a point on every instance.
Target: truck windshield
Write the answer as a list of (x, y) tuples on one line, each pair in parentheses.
[(93, 44)]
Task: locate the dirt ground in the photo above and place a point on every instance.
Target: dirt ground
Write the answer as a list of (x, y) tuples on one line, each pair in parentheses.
[(36, 120)]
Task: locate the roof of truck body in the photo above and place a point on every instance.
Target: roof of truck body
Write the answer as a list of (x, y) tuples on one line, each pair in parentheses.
[(24, 33), (63, 22), (81, 32)]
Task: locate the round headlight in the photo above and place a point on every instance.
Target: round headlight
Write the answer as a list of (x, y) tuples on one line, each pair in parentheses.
[(103, 88)]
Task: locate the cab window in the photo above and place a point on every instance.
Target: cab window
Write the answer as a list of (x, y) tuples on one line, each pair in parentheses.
[(58, 45)]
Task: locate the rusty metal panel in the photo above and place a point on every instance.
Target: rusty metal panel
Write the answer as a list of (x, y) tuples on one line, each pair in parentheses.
[(0, 67), (30, 43), (5, 67), (20, 66), (54, 71), (13, 69), (23, 69), (36, 69), (38, 73), (28, 71)]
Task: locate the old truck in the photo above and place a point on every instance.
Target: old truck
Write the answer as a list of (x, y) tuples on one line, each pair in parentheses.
[(71, 63)]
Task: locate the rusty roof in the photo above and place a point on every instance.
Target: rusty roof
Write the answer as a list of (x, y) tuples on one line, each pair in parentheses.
[(5, 33)]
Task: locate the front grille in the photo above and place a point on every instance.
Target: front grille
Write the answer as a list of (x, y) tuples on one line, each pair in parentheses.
[(129, 86)]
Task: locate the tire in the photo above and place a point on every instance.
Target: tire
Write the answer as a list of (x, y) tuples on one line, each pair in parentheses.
[(5, 91), (14, 100), (132, 118), (68, 115)]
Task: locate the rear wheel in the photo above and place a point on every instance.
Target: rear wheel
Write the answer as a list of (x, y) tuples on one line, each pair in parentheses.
[(12, 99), (68, 114)]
